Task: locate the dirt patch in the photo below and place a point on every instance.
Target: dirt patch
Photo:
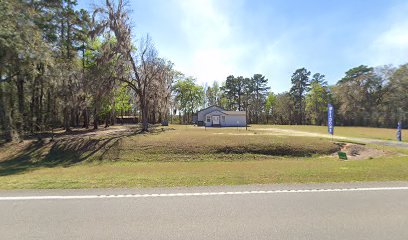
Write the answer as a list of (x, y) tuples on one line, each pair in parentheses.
[(361, 152), (112, 131)]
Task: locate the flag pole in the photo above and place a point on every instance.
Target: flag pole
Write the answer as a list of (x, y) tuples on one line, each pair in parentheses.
[(330, 120)]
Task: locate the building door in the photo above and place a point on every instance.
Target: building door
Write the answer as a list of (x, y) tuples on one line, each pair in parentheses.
[(216, 120)]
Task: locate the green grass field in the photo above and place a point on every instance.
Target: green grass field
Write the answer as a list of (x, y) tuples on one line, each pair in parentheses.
[(169, 174), (186, 156)]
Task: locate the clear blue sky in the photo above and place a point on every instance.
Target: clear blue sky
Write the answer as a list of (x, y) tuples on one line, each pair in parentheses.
[(211, 39)]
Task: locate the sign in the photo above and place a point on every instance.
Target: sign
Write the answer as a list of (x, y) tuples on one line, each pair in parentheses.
[(330, 119), (342, 155), (399, 131)]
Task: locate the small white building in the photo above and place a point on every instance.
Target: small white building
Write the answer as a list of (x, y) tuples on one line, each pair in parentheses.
[(215, 116)]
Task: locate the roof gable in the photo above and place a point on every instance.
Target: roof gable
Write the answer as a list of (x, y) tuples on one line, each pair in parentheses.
[(216, 112), (213, 106), (236, 113)]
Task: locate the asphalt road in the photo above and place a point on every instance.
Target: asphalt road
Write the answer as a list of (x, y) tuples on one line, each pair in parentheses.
[(345, 211)]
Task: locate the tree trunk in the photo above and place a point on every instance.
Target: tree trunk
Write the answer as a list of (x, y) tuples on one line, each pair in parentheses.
[(21, 109), (160, 120), (40, 117), (113, 118), (72, 117), (301, 112), (153, 117), (4, 124), (66, 119), (33, 107), (171, 116), (77, 118), (86, 118), (6, 113), (107, 120), (257, 106), (145, 123), (49, 115), (96, 119)]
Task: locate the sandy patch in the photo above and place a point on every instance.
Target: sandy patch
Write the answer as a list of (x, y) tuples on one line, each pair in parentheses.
[(361, 152)]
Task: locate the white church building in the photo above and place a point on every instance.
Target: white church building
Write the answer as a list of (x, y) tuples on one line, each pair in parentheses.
[(215, 116)]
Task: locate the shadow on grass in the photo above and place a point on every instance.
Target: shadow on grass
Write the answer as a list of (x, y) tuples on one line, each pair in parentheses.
[(135, 128), (65, 152), (276, 150)]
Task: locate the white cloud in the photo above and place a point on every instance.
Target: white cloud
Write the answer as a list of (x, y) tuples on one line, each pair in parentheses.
[(204, 23), (213, 49), (215, 63), (391, 45), (218, 46), (204, 28)]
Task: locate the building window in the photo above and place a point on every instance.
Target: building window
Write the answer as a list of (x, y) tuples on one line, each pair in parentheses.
[(223, 118), (208, 119)]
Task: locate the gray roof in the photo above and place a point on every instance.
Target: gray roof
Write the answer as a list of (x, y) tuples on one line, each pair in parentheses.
[(234, 112), (211, 107), (220, 109)]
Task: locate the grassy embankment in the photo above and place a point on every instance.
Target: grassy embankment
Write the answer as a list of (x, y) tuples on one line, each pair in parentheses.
[(185, 156)]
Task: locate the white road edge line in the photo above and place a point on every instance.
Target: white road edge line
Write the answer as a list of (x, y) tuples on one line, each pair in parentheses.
[(155, 195)]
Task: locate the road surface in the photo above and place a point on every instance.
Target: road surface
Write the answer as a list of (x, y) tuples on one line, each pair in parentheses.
[(319, 211)]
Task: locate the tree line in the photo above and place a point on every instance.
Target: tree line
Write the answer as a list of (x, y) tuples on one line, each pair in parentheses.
[(64, 67), (365, 96), (235, 93)]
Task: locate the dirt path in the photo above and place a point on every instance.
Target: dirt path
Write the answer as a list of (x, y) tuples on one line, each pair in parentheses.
[(112, 131), (289, 132)]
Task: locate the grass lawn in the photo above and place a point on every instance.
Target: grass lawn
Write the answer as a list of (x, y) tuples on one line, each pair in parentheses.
[(358, 132), (185, 156), (198, 144), (166, 174)]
